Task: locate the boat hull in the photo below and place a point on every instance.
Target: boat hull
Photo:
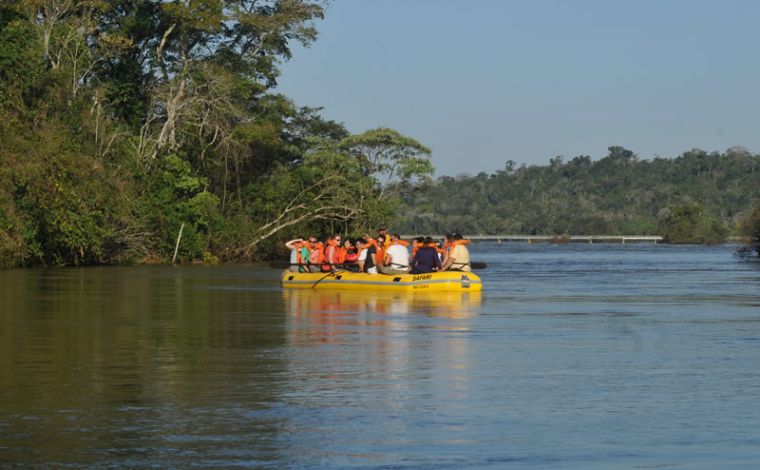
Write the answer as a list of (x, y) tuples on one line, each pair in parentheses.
[(440, 281)]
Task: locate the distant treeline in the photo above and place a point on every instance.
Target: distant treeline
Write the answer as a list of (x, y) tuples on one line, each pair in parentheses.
[(697, 197)]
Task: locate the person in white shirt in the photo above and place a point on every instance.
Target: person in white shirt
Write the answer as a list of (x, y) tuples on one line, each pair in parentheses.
[(396, 258)]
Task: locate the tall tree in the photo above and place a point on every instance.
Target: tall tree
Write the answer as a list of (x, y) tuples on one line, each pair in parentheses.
[(390, 157)]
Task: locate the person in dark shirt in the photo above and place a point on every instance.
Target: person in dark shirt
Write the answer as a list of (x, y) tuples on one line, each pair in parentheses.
[(426, 259), (369, 262)]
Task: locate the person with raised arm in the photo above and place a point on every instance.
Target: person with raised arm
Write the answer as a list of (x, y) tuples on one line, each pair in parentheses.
[(299, 255)]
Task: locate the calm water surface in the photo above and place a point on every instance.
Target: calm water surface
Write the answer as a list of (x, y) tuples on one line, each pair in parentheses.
[(574, 356)]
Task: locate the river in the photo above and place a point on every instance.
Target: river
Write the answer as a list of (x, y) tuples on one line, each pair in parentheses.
[(574, 356)]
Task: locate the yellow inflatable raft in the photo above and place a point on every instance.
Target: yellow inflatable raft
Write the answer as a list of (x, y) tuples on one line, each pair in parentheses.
[(439, 281)]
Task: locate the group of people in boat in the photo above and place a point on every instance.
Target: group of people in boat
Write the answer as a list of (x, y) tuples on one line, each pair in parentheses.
[(383, 254)]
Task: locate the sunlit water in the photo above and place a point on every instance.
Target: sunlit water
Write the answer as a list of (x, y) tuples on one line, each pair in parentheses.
[(574, 356)]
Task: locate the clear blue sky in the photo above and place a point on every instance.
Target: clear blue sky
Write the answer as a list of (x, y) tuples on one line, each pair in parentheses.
[(486, 81)]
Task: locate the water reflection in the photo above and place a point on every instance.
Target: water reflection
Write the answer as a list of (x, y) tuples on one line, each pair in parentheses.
[(317, 304), (118, 360), (396, 329), (580, 357), (375, 357)]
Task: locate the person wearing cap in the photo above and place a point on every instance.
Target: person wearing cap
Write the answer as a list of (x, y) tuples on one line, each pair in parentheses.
[(458, 256)]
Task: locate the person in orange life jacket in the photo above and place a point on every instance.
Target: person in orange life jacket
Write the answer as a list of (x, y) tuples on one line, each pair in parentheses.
[(426, 260), (315, 255), (332, 254), (418, 243), (349, 248), (445, 246), (396, 259), (381, 232), (373, 256), (299, 255), (345, 249), (458, 256)]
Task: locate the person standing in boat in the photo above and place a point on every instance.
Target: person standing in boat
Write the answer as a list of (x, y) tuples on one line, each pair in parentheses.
[(426, 259), (458, 256), (396, 259)]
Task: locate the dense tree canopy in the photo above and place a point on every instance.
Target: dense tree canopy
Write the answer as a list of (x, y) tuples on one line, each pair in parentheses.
[(124, 122), (618, 194)]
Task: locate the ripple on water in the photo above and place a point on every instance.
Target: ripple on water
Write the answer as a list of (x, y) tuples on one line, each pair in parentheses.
[(574, 356)]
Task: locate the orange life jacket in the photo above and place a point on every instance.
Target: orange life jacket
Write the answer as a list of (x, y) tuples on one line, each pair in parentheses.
[(340, 255), (351, 257), (334, 245), (416, 246), (317, 253), (447, 247), (326, 266)]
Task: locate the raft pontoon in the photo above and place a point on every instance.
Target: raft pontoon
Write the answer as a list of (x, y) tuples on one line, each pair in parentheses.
[(438, 281)]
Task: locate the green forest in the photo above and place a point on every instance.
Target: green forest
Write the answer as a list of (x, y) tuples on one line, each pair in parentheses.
[(152, 132), (125, 124), (697, 197)]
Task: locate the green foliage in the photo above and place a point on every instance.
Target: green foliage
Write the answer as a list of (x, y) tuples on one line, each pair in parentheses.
[(22, 69), (690, 224), (58, 204), (122, 121), (619, 194), (326, 188), (750, 228), (389, 156), (750, 225), (176, 197)]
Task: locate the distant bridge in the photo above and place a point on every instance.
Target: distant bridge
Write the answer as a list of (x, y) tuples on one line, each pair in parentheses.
[(558, 238)]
